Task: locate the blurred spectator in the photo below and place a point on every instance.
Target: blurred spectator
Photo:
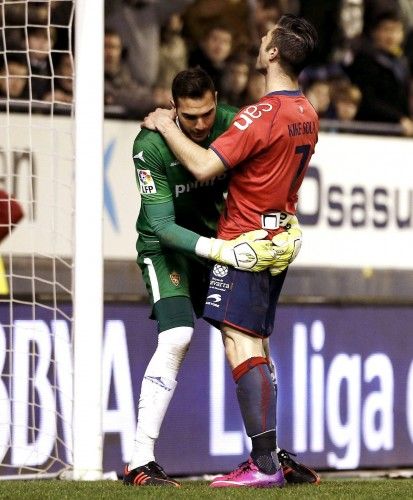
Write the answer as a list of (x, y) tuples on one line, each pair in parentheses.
[(375, 8), (345, 101), (120, 88), (139, 24), (62, 89), (18, 14), (351, 27), (173, 54), (202, 15), (382, 74), (14, 77), (235, 81), (403, 9), (40, 43), (212, 53), (255, 87), (318, 93)]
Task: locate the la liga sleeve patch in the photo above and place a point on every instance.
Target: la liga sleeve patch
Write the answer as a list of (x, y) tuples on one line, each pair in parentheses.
[(146, 182)]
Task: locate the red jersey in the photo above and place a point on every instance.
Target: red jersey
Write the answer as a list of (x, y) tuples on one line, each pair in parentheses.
[(269, 146)]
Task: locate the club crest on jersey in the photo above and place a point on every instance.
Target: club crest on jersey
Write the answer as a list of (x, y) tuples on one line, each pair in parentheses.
[(175, 278), (146, 182)]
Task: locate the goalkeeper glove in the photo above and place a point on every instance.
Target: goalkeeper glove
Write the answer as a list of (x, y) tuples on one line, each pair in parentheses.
[(288, 245), (248, 252)]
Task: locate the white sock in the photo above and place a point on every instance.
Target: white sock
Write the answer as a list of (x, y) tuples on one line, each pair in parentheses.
[(157, 389)]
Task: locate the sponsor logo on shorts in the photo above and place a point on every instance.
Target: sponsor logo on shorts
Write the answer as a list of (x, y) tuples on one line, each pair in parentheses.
[(219, 285), (214, 297), (175, 278), (220, 270), (146, 181), (213, 300)]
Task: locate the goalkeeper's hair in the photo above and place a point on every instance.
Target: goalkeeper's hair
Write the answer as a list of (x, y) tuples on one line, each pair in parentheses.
[(193, 83)]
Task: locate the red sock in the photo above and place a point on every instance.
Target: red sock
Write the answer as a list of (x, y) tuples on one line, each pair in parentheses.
[(246, 366)]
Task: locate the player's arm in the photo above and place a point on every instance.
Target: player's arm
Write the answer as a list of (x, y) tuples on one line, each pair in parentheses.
[(202, 163), (161, 218), (251, 251), (248, 252)]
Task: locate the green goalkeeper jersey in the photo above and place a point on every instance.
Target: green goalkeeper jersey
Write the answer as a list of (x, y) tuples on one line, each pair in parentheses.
[(176, 208)]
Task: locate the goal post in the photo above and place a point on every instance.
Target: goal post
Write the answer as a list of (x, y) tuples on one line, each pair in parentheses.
[(51, 283), (88, 257)]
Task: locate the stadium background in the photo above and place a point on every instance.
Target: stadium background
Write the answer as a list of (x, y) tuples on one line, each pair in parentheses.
[(343, 340)]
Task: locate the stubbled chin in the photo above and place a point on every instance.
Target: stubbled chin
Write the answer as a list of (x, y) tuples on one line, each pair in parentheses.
[(199, 139)]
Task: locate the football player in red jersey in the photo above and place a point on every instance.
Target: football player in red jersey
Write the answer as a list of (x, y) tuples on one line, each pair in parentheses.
[(267, 148)]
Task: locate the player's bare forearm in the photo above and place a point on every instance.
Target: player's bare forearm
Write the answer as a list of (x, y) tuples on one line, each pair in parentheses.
[(202, 163)]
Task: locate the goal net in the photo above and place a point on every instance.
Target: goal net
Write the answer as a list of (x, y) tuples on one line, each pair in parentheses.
[(39, 250)]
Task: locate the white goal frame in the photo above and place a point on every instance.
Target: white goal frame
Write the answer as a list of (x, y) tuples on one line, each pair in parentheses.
[(51, 330), (88, 252)]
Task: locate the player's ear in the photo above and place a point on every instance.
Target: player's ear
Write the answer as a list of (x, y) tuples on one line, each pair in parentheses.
[(273, 53)]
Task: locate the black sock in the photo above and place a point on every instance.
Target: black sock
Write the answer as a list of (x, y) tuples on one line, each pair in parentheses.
[(263, 452)]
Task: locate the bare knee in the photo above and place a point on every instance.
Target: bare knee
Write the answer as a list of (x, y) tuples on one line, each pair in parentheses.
[(240, 346)]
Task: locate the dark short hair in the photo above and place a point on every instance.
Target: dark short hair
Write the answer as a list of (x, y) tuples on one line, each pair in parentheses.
[(218, 26), (296, 40), (112, 32), (193, 83), (44, 31), (381, 17)]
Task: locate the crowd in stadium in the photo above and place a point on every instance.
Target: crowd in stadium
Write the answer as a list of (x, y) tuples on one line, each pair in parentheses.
[(363, 69)]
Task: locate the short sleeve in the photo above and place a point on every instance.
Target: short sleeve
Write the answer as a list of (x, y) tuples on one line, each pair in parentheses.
[(150, 172)]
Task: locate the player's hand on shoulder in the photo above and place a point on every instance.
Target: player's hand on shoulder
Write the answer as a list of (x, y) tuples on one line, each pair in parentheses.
[(156, 118)]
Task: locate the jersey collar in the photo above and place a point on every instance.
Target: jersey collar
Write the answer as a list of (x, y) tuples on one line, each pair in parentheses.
[(292, 93)]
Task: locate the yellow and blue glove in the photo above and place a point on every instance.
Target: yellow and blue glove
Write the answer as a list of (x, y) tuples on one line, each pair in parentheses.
[(249, 252), (252, 252)]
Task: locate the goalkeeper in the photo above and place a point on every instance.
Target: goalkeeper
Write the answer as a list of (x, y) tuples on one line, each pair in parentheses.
[(175, 211)]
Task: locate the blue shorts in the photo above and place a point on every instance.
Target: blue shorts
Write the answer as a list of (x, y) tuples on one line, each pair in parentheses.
[(247, 301)]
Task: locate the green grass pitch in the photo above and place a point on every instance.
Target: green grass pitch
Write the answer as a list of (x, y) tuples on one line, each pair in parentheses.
[(115, 490)]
